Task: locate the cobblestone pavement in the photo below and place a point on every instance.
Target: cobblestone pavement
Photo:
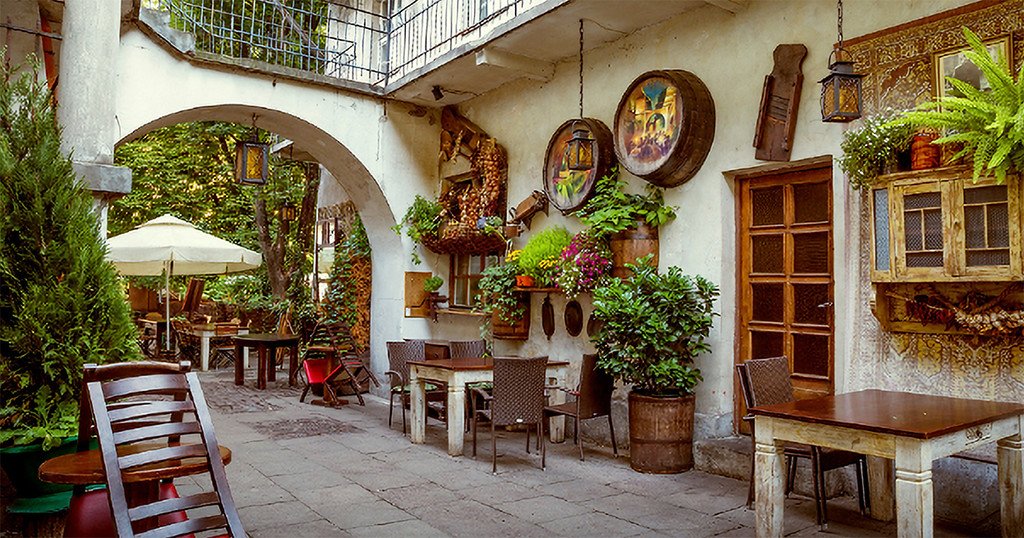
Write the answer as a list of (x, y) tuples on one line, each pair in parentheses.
[(306, 471)]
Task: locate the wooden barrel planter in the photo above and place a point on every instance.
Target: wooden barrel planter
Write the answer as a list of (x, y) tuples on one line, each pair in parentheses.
[(660, 434), (518, 331), (630, 245)]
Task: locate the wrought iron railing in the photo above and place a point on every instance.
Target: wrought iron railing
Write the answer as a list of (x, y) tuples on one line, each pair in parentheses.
[(348, 39)]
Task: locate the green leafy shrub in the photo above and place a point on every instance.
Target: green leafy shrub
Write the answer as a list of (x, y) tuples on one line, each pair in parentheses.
[(654, 326), (61, 303), (612, 210), (988, 125), (432, 284), (540, 257), (422, 219), (497, 291), (874, 148)]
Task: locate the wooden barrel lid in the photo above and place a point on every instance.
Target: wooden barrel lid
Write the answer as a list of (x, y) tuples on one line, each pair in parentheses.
[(664, 126), (568, 190), (573, 318)]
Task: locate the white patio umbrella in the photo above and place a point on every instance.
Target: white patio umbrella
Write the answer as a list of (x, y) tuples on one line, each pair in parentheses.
[(170, 246)]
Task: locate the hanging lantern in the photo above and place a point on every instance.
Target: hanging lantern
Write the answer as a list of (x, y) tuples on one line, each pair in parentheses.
[(251, 162), (288, 212), (841, 96), (580, 148)]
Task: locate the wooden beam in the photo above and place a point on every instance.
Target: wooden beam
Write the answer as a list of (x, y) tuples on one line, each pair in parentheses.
[(526, 66)]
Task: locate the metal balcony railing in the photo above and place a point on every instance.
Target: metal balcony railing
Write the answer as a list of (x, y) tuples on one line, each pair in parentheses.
[(355, 40)]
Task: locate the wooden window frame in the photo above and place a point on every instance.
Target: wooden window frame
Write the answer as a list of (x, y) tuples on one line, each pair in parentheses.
[(472, 278)]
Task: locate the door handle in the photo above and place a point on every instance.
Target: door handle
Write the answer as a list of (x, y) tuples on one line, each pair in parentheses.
[(825, 305)]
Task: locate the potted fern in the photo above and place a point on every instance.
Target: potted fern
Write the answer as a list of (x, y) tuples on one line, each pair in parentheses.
[(987, 125)]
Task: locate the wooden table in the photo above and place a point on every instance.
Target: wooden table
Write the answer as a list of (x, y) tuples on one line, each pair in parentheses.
[(205, 332), (913, 429), (457, 373), (436, 350), (265, 344)]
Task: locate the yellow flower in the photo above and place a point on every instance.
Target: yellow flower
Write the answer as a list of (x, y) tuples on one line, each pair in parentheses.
[(513, 256)]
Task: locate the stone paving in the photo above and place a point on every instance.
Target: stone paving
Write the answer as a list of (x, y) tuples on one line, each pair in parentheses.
[(306, 471)]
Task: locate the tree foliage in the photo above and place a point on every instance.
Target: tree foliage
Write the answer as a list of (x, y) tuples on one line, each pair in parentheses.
[(61, 304)]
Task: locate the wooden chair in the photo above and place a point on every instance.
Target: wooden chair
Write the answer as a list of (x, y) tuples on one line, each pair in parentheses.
[(517, 399), (593, 399), (186, 343), (767, 382), (137, 448), (348, 369), (399, 355), (222, 345), (89, 512)]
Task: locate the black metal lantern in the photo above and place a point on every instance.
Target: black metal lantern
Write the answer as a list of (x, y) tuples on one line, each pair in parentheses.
[(251, 162), (580, 148), (841, 96), (288, 212)]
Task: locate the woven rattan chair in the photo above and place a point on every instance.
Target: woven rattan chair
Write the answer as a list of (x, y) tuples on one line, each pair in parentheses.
[(767, 382), (517, 399), (160, 424), (593, 399), (467, 349), (399, 355)]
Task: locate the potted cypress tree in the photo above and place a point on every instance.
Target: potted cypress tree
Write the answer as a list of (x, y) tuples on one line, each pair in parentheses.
[(61, 304), (653, 327)]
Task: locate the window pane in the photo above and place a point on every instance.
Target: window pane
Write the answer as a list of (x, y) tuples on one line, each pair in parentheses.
[(924, 259), (976, 258), (924, 200), (767, 299), (998, 225), (810, 253), (764, 344), (767, 206), (881, 200), (933, 229), (974, 226), (811, 202), (767, 253), (810, 354), (811, 303), (912, 230), (984, 195)]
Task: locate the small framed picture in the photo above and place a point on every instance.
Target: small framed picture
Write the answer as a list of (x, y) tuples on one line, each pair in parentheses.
[(955, 64)]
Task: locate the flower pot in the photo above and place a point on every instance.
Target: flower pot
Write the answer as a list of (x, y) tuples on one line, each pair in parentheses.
[(524, 281), (21, 463), (517, 331), (660, 433), (630, 245), (923, 154)]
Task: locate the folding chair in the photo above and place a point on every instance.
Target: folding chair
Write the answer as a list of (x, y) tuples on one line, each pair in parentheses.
[(347, 367), (222, 346)]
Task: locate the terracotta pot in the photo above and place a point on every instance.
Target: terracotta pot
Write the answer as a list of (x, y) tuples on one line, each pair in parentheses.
[(630, 245), (660, 434), (923, 154), (524, 281)]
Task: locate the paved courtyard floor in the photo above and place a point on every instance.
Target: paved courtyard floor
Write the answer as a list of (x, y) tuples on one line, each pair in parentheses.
[(306, 471)]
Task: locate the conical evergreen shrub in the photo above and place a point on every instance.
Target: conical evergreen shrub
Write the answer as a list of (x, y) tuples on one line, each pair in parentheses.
[(61, 304)]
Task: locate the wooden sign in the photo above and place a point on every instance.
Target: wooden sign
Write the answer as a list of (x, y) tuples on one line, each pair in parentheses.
[(780, 101), (568, 189), (664, 127)]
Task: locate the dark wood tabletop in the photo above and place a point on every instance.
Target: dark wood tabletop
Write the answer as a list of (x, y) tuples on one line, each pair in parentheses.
[(919, 416), (476, 363), (84, 468), (261, 338)]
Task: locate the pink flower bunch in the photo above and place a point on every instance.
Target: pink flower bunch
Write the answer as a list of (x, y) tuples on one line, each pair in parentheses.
[(585, 262)]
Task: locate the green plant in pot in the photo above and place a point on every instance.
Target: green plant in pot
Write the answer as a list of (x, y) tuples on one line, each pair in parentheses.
[(539, 258), (422, 219), (653, 327), (61, 303), (508, 311), (432, 284), (628, 221), (987, 125), (874, 148)]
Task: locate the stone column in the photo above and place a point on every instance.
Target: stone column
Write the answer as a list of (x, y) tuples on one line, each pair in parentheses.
[(86, 97)]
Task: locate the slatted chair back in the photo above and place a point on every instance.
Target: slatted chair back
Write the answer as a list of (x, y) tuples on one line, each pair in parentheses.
[(399, 355), (768, 381), (134, 439), (595, 390), (340, 337), (467, 349), (518, 390)]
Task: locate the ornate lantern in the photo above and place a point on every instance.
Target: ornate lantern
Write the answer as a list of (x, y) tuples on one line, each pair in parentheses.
[(580, 148), (251, 161), (288, 212), (841, 89)]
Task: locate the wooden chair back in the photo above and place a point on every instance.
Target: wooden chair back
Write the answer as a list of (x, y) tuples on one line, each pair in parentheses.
[(467, 349), (518, 390), (160, 423), (595, 390), (765, 381)]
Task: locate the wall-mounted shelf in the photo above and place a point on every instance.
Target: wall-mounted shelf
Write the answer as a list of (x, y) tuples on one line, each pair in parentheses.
[(539, 290), (460, 312)]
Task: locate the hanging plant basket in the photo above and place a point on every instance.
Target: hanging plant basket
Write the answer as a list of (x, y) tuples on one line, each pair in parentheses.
[(463, 239)]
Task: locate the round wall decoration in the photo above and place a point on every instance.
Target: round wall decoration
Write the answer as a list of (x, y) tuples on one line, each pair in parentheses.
[(664, 127), (568, 189), (573, 318)]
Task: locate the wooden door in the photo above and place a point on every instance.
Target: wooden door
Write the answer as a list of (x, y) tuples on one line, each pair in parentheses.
[(785, 277)]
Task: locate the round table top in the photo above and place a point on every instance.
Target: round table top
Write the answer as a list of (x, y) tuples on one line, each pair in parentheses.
[(84, 468), (266, 338)]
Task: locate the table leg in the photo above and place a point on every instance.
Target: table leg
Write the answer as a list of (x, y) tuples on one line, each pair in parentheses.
[(880, 480), (261, 367), (204, 352), (456, 418), (417, 401), (245, 357), (272, 363), (913, 488), (770, 481), (1010, 452), (239, 371), (293, 364)]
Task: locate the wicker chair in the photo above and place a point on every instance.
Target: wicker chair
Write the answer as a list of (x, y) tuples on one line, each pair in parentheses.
[(467, 349), (399, 355), (767, 382), (517, 399), (593, 399), (222, 345)]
